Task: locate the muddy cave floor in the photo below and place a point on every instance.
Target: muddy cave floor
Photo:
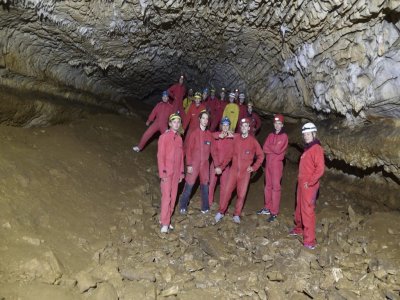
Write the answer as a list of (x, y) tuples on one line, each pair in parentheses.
[(79, 220)]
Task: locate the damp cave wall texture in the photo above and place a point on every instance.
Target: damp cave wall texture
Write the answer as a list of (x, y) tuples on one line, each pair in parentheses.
[(313, 59)]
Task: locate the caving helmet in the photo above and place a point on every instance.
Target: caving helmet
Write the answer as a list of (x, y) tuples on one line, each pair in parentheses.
[(309, 127)]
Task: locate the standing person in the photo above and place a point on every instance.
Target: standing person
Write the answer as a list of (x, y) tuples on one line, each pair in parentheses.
[(242, 107), (245, 149), (197, 152), (231, 111), (275, 146), (159, 117), (311, 169), (255, 121), (177, 92), (221, 153), (214, 106), (170, 169), (192, 117), (188, 100)]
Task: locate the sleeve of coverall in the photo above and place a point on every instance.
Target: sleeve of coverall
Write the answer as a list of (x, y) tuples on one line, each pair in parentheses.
[(162, 171), (319, 164), (259, 155), (279, 148), (266, 147), (153, 114)]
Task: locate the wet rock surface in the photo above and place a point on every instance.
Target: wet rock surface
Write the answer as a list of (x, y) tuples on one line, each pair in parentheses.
[(94, 233)]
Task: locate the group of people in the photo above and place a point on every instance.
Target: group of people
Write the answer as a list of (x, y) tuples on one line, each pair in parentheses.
[(219, 132)]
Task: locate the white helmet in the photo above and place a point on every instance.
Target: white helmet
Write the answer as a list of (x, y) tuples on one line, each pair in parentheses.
[(308, 127)]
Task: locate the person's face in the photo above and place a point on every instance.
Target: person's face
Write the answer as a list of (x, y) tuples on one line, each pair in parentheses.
[(308, 137), (197, 100), (212, 93), (250, 109), (244, 128), (222, 95), (241, 100), (231, 99), (190, 93), (205, 95), (278, 126), (204, 120), (175, 124), (181, 80), (165, 98), (225, 127)]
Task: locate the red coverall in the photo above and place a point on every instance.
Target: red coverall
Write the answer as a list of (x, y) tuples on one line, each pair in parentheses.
[(177, 93), (244, 152), (170, 168), (214, 106), (255, 122), (311, 169), (242, 114), (192, 118), (274, 147), (159, 115), (197, 153), (221, 153)]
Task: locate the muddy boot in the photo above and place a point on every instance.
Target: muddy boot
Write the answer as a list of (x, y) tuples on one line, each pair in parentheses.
[(184, 199), (205, 207)]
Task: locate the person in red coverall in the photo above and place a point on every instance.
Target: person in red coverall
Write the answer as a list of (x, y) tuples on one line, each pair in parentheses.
[(311, 169), (221, 152), (159, 117), (255, 121), (242, 108), (177, 92), (192, 117), (274, 148), (170, 169), (214, 106), (197, 152), (245, 149)]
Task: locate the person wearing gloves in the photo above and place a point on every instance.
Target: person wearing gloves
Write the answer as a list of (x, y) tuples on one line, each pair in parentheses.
[(245, 149), (159, 117), (197, 152), (221, 152), (170, 169), (275, 147), (311, 169)]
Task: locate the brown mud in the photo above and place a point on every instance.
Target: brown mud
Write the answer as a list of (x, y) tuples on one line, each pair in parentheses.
[(79, 220)]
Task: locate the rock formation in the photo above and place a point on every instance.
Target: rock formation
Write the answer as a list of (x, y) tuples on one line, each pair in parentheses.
[(308, 59)]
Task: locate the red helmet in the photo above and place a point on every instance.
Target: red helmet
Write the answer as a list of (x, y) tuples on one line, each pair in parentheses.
[(278, 117), (245, 120)]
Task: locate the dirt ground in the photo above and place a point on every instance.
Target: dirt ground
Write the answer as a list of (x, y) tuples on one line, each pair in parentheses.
[(79, 220)]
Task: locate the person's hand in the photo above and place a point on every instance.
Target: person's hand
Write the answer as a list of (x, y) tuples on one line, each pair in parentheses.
[(190, 170), (147, 123), (222, 135), (218, 171), (306, 185), (250, 169), (230, 134)]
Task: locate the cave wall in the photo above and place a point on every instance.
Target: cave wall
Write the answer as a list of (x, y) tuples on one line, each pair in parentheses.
[(308, 59)]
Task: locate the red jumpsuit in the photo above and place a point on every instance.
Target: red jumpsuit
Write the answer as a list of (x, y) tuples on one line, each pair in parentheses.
[(159, 115), (177, 92), (170, 169), (255, 122), (221, 153), (311, 169), (192, 118), (242, 114), (213, 106), (197, 153), (274, 147), (244, 152)]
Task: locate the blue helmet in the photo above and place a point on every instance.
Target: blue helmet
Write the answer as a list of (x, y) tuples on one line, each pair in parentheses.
[(165, 93), (205, 91), (225, 120)]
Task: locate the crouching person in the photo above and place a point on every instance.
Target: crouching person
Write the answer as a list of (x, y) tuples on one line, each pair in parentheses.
[(170, 169)]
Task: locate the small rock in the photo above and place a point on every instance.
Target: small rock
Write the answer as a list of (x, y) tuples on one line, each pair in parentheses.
[(104, 291), (337, 274), (32, 241), (85, 281), (137, 211), (172, 291), (6, 225), (275, 276), (138, 274)]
